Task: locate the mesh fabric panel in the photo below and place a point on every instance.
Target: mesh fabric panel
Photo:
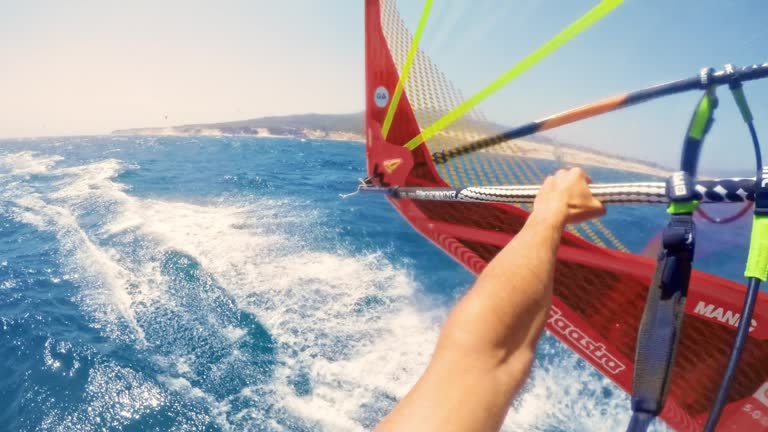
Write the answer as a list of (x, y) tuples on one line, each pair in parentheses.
[(432, 95)]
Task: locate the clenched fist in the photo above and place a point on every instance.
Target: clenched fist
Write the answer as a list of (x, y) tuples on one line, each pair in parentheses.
[(565, 198)]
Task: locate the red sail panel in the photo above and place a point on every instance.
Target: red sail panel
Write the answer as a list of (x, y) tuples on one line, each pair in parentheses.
[(599, 292)]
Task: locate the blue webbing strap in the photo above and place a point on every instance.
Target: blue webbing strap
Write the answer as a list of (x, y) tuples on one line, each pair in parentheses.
[(640, 421), (662, 319)]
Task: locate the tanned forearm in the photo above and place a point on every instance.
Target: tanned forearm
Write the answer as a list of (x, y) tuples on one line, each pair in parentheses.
[(487, 344), (505, 311)]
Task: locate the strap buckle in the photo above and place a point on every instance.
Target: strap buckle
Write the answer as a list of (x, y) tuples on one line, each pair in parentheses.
[(679, 235), (761, 193), (731, 74), (679, 187), (705, 77)]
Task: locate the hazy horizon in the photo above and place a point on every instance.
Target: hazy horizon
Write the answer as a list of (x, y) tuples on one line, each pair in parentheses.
[(85, 68)]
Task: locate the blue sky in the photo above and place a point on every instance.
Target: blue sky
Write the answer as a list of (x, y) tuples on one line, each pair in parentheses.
[(87, 67), (639, 44)]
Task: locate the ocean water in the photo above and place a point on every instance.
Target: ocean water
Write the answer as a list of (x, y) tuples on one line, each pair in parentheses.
[(220, 284)]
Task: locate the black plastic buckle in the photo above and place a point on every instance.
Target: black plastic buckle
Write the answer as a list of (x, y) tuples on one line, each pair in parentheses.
[(734, 81), (679, 241), (705, 77), (679, 187), (679, 234), (761, 193)]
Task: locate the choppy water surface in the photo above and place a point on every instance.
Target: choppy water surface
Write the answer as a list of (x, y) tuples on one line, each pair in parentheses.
[(205, 284)]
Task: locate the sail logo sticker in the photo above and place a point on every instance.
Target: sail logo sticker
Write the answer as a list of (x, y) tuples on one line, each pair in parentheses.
[(435, 195), (762, 394), (381, 96), (391, 164), (720, 314), (593, 349)]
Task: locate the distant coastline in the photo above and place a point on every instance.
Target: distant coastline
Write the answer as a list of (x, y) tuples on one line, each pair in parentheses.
[(350, 127), (340, 127), (574, 156)]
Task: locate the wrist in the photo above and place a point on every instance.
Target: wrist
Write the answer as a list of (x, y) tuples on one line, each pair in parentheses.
[(554, 220)]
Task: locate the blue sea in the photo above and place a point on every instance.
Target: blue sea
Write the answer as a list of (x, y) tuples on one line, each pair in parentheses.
[(221, 284)]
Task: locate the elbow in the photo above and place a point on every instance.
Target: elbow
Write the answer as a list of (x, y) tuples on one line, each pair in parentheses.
[(522, 361), (500, 357), (514, 371), (480, 345)]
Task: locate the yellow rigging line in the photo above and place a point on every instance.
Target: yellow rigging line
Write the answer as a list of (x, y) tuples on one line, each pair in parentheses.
[(406, 69), (583, 23)]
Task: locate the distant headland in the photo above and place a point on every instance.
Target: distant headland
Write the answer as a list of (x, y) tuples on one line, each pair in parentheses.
[(345, 127), (350, 127)]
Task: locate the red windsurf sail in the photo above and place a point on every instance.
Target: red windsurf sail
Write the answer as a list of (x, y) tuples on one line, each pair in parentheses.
[(600, 285)]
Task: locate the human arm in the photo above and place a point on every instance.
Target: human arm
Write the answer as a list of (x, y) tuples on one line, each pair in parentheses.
[(488, 342)]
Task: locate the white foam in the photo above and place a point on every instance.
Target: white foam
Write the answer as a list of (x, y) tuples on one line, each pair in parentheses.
[(346, 325), (307, 301), (234, 333), (91, 180), (86, 260), (28, 163), (60, 357), (312, 303), (182, 385)]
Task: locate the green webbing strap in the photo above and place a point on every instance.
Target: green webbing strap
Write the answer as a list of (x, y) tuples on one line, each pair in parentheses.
[(741, 102), (757, 260), (682, 207), (703, 115), (583, 23)]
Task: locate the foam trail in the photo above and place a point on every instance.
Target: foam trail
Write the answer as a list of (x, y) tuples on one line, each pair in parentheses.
[(28, 163), (348, 327), (335, 317), (349, 336), (125, 279), (103, 270)]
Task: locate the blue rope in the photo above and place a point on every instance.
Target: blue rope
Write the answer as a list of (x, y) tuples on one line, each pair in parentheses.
[(753, 288), (639, 422), (733, 361)]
